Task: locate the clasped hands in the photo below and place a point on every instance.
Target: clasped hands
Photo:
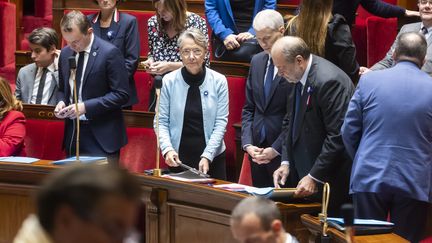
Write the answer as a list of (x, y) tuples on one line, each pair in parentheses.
[(305, 187), (261, 155), (172, 160), (62, 111), (232, 41)]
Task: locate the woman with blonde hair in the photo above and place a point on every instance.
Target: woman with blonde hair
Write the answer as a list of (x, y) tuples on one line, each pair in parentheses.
[(327, 35), (12, 122)]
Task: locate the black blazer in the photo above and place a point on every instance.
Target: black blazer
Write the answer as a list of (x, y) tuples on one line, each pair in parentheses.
[(125, 37), (348, 9), (256, 112), (317, 148), (104, 92)]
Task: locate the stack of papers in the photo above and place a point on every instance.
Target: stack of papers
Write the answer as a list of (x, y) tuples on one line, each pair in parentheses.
[(17, 159), (83, 159)]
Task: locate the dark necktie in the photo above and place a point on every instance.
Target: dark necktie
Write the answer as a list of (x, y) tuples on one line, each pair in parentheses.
[(298, 94), (79, 71), (41, 86), (268, 80), (424, 30), (267, 87)]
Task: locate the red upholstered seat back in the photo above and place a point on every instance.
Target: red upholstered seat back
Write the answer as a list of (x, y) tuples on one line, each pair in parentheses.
[(7, 33), (142, 18), (290, 2), (43, 8), (140, 152), (44, 139), (143, 82), (236, 87)]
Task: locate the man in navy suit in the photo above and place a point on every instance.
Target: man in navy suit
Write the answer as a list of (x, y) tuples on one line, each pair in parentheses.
[(102, 84), (388, 132), (266, 100), (313, 147)]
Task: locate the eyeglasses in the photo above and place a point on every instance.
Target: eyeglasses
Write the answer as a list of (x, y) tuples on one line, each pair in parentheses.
[(187, 52), (424, 2)]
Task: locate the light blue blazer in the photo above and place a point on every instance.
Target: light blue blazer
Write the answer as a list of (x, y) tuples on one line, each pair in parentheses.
[(221, 19), (214, 99)]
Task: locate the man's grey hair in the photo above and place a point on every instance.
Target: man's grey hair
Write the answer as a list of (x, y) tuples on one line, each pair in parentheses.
[(265, 209), (291, 47), (411, 46), (268, 18)]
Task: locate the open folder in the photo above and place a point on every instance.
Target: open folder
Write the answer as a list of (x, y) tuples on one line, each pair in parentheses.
[(363, 226)]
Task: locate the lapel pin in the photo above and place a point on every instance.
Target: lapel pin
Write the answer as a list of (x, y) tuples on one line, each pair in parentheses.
[(94, 53), (205, 93)]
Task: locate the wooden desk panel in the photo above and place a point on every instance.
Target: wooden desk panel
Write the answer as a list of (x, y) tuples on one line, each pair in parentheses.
[(174, 211)]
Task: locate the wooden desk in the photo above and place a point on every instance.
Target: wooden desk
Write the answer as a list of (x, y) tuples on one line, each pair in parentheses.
[(314, 226), (174, 211)]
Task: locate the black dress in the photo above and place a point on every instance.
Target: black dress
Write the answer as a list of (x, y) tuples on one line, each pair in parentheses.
[(192, 140)]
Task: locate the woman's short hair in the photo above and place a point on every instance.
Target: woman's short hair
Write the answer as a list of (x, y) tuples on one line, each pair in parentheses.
[(194, 34), (268, 18), (45, 37), (8, 101)]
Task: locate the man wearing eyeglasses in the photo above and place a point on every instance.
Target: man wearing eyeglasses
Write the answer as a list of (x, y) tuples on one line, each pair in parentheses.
[(84, 204), (424, 27)]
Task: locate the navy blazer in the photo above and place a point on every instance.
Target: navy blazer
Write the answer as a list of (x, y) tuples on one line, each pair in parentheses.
[(348, 9), (104, 92), (221, 19), (387, 130), (125, 37), (257, 112)]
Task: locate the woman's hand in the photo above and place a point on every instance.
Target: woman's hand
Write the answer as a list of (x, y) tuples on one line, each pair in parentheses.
[(147, 63), (244, 36), (162, 67), (203, 165), (231, 42), (172, 159)]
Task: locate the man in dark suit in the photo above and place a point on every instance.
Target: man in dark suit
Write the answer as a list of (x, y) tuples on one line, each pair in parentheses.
[(37, 82), (348, 8), (313, 146), (266, 99), (387, 130), (102, 84)]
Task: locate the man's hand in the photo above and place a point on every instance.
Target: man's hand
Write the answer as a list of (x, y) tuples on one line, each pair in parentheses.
[(280, 176), (266, 156), (410, 13), (244, 36), (172, 159), (231, 42), (253, 151), (70, 111), (364, 70), (306, 187), (58, 110), (203, 165)]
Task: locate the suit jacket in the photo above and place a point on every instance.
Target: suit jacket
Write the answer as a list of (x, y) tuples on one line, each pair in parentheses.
[(104, 92), (221, 18), (377, 7), (125, 37), (388, 61), (317, 148), (387, 130), (257, 112), (12, 134), (25, 84)]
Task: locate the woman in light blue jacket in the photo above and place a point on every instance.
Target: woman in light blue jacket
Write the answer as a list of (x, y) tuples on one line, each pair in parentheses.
[(194, 111)]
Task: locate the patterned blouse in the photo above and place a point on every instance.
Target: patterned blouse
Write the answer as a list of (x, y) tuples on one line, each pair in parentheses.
[(162, 48)]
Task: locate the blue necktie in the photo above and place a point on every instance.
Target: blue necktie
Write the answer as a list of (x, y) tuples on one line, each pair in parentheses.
[(298, 94), (267, 87), (268, 80)]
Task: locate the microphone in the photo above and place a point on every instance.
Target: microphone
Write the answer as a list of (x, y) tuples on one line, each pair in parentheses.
[(348, 216), (158, 85), (73, 67)]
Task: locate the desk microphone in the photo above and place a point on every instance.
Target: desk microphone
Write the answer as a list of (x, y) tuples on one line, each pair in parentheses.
[(73, 67), (348, 216), (158, 85)]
